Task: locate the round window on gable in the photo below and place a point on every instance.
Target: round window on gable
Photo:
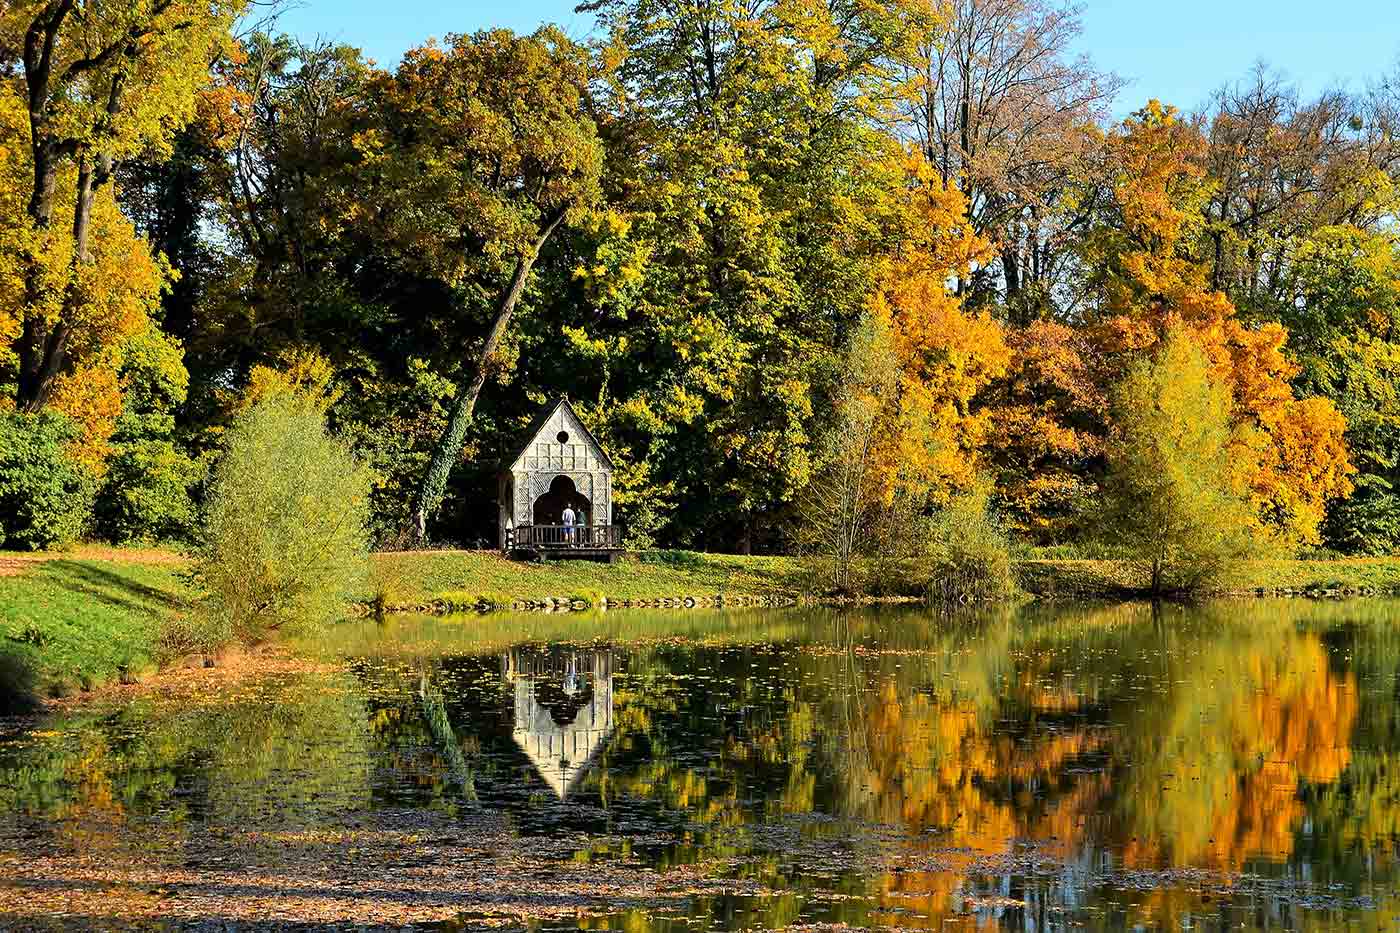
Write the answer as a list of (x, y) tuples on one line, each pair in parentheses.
[(562, 437)]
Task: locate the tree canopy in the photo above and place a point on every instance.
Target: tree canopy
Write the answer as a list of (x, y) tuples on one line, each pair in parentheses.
[(683, 224)]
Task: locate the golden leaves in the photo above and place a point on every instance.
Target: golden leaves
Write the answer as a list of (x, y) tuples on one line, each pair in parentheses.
[(946, 355), (1149, 283)]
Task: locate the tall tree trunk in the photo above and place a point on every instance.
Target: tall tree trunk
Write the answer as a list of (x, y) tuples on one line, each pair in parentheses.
[(36, 339), (44, 347), (35, 334), (449, 445), (1011, 270)]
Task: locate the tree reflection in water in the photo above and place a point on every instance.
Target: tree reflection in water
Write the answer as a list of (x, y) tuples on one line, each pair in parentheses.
[(1026, 766)]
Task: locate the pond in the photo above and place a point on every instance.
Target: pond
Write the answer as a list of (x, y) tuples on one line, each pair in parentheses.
[(1040, 766)]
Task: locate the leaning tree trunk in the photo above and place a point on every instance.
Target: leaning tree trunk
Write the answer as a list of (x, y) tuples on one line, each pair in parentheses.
[(449, 445)]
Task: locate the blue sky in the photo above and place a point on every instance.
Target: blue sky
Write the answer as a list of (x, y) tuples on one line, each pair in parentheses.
[(1178, 51)]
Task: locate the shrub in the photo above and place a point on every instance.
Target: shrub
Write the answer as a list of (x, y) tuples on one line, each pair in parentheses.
[(146, 494), (1368, 522), (45, 496), (284, 541), (199, 632), (970, 554)]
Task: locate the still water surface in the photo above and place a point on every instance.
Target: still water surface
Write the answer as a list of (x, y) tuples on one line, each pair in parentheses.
[(1236, 764)]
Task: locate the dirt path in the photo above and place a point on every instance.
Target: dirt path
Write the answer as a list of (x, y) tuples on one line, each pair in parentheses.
[(14, 563)]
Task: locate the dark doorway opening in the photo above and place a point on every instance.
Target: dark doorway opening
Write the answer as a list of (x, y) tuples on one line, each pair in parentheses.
[(549, 508)]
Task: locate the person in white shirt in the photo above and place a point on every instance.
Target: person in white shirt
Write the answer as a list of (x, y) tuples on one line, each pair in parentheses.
[(569, 519)]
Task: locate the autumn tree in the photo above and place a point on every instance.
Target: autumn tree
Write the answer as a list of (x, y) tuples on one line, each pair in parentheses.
[(1004, 108), (485, 149), (1047, 415), (119, 284), (101, 83), (1146, 280), (1176, 498), (285, 200), (947, 354), (1283, 168)]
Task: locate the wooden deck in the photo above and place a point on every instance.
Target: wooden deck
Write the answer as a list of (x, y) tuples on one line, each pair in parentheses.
[(562, 542)]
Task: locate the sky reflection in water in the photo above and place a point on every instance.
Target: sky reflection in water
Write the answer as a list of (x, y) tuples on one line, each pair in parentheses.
[(1040, 766)]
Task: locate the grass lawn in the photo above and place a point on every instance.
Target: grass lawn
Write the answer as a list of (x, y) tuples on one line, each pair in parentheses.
[(418, 576), (81, 620)]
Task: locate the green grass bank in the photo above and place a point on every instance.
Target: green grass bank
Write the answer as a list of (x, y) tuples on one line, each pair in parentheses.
[(1109, 579), (463, 577), (77, 621)]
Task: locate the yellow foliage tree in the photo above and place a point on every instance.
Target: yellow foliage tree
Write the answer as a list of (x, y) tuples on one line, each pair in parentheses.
[(104, 300), (303, 376), (100, 83), (1148, 282)]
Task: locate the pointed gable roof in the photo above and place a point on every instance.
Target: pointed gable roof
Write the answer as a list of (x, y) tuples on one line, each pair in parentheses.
[(532, 435), (561, 773)]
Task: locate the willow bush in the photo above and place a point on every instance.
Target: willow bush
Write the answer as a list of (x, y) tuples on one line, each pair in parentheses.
[(284, 540), (969, 552)]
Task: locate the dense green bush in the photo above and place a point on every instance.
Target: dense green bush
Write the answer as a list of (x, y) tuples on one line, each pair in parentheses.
[(969, 553), (45, 496), (145, 495), (1368, 522), (284, 538)]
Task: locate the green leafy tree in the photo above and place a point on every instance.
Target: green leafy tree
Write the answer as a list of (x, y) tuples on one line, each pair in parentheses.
[(846, 489), (145, 493), (1344, 328), (45, 495), (1175, 503), (1362, 375), (486, 148), (747, 153)]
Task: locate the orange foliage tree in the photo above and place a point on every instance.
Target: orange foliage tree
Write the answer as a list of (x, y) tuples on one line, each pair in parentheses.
[(946, 354), (1046, 416), (1145, 280)]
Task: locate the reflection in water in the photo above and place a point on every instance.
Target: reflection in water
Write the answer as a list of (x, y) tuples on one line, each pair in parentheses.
[(1105, 765), (563, 710)]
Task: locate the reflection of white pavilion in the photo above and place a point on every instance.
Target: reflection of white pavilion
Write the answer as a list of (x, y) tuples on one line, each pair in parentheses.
[(563, 711)]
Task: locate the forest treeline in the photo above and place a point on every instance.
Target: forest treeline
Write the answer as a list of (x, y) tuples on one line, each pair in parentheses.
[(792, 261)]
